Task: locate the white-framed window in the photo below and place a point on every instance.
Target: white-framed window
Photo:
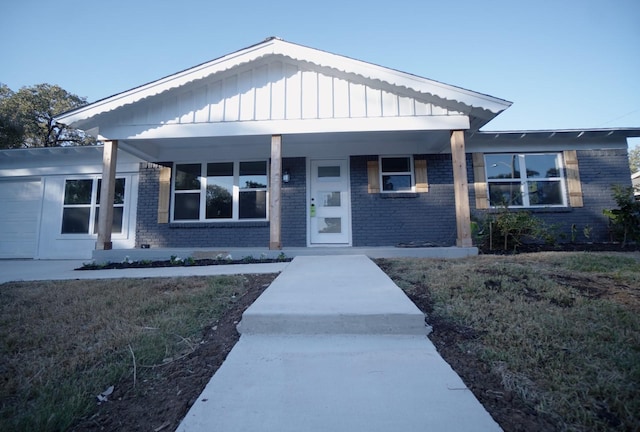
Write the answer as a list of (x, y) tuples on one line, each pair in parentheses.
[(81, 206), (525, 180), (218, 191), (396, 174)]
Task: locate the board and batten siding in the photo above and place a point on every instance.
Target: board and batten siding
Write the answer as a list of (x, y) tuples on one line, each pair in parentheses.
[(277, 90)]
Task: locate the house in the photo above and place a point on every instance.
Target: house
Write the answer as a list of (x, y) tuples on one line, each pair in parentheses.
[(280, 145), (635, 180)]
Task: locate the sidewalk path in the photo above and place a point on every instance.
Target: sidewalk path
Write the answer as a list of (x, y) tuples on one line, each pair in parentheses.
[(34, 270), (334, 345)]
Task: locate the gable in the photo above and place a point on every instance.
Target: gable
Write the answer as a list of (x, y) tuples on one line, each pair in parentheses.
[(277, 80), (277, 89)]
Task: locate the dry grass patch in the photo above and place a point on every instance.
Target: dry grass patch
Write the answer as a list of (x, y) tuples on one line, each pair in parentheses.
[(64, 342), (561, 330)]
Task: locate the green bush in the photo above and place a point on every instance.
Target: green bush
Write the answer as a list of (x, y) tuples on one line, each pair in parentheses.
[(625, 220), (508, 230)]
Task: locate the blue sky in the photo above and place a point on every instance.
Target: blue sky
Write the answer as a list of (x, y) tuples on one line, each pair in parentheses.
[(563, 63)]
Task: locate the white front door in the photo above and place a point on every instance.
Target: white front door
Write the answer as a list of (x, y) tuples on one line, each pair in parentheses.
[(329, 207)]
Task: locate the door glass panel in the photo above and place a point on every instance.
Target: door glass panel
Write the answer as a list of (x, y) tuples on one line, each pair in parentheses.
[(330, 225), (329, 171), (330, 199)]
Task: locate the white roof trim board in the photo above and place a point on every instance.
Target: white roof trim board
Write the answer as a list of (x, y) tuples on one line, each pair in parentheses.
[(478, 105)]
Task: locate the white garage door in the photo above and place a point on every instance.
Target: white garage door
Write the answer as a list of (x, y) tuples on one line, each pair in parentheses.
[(19, 216)]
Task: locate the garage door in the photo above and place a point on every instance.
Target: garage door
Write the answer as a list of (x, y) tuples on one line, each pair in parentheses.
[(19, 217)]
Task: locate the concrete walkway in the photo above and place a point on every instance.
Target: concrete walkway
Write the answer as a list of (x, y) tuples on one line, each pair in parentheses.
[(334, 345), (35, 270)]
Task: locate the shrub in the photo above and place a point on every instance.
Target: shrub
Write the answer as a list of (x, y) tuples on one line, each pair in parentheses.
[(508, 230), (625, 220)]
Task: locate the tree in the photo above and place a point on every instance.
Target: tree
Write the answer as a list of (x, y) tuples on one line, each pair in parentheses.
[(634, 159), (26, 117)]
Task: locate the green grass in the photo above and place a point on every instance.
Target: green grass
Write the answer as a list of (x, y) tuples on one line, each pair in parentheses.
[(561, 330), (64, 342)]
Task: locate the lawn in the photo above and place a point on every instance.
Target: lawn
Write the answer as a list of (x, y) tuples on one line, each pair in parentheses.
[(546, 341), (558, 332), (62, 343)]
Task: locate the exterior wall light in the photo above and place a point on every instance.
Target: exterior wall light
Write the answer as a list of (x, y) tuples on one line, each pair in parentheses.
[(286, 176)]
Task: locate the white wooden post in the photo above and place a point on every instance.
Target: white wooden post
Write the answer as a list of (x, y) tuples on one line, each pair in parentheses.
[(275, 192), (461, 189), (107, 192)]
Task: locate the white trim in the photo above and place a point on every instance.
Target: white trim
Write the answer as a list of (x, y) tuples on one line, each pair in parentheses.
[(524, 180), (348, 210), (411, 174), (236, 190), (307, 126)]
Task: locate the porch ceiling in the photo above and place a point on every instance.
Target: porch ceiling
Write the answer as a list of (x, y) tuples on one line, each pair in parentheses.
[(331, 144)]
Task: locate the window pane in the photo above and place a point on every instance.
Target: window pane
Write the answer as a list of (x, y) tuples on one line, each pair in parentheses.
[(118, 197), (253, 205), (396, 183), (545, 193), (253, 175), (219, 198), (187, 206), (502, 166), (76, 220), (330, 225), (398, 164), (219, 191), (541, 166), (505, 194), (329, 171), (220, 169), (78, 191), (188, 177), (117, 220), (330, 199)]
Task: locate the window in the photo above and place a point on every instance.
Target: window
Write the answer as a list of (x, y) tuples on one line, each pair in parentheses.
[(81, 206), (396, 174), (525, 180), (220, 191)]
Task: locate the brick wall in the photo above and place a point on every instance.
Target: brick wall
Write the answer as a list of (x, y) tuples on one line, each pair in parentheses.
[(225, 234), (599, 170), (383, 219), (390, 219)]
